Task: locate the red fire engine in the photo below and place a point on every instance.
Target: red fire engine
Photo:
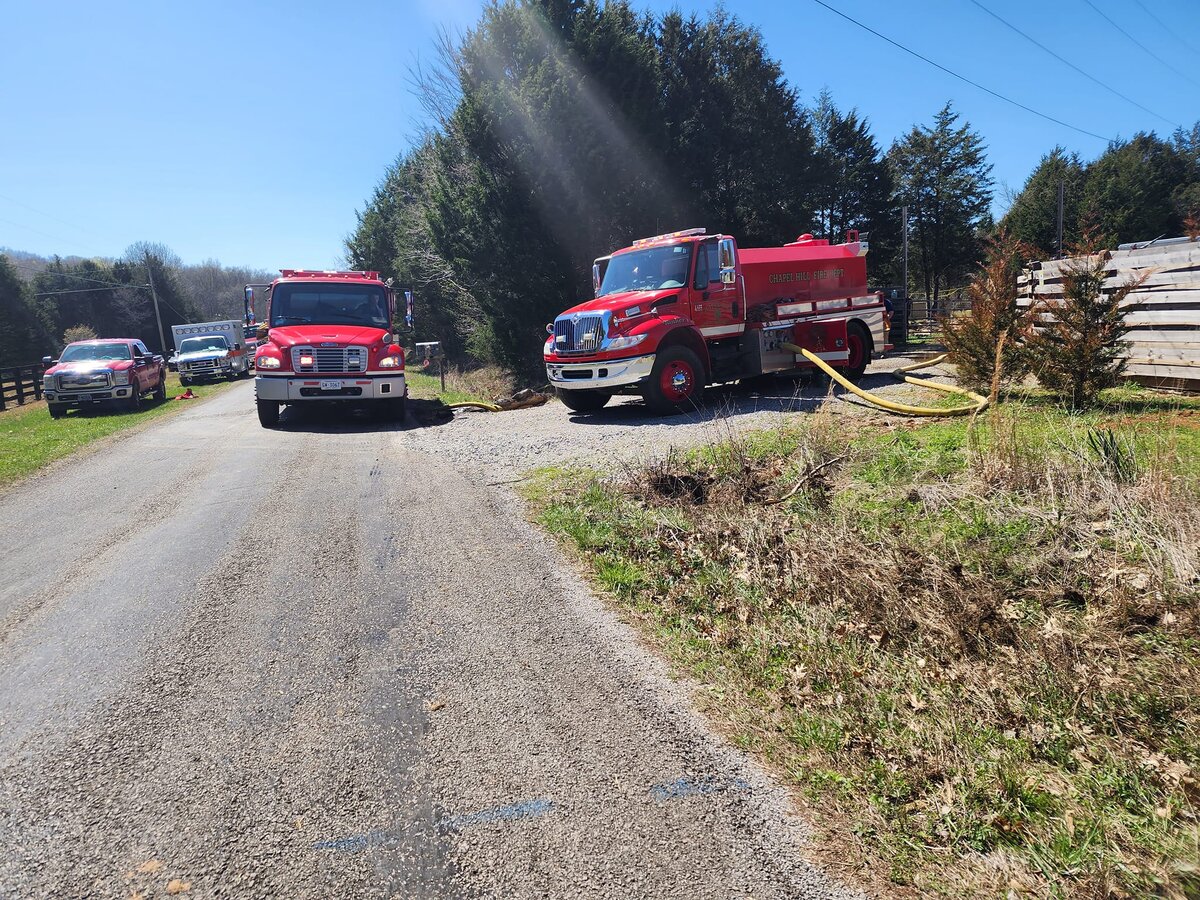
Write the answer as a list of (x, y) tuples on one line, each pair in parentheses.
[(330, 339), (679, 311)]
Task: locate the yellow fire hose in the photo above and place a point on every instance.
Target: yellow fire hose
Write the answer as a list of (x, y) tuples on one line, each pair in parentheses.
[(980, 402)]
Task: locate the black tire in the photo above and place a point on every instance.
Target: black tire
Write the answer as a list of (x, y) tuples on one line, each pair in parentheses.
[(676, 382), (134, 403), (584, 401), (57, 410), (858, 341), (186, 382), (268, 413), (160, 391)]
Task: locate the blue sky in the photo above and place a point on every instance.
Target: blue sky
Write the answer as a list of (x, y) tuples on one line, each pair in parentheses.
[(251, 132)]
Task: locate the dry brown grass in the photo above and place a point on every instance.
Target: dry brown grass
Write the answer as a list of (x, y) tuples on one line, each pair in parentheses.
[(979, 650)]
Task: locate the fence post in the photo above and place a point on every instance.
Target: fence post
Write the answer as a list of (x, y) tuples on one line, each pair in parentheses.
[(2, 406), (37, 382), (20, 382)]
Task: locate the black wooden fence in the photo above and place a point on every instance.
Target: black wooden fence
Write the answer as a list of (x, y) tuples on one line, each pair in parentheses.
[(19, 384)]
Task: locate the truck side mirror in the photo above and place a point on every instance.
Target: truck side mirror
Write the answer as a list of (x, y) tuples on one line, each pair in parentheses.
[(728, 262), (596, 279), (47, 361)]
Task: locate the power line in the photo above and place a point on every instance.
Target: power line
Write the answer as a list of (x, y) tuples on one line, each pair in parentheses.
[(46, 214), (962, 78), (1067, 62), (88, 290), (1165, 27), (1147, 50), (69, 275)]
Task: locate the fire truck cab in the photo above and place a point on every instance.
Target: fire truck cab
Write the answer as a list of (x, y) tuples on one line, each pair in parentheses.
[(329, 339)]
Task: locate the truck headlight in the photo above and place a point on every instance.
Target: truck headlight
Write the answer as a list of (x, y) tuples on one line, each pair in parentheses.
[(625, 341), (121, 377), (391, 362), (266, 362)]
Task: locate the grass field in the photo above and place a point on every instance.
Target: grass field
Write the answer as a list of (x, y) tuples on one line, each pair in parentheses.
[(971, 647), (461, 387), (30, 439)]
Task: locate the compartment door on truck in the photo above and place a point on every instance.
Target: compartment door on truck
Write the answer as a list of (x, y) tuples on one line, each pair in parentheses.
[(717, 308)]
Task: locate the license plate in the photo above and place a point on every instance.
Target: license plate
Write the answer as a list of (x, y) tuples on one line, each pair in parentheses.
[(331, 385)]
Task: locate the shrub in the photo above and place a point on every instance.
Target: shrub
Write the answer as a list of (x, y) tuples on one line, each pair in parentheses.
[(79, 333), (984, 345)]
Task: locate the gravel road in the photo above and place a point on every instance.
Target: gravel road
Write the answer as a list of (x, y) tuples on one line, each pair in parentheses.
[(333, 660)]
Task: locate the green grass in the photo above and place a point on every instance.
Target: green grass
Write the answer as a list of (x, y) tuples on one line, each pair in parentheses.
[(484, 384), (30, 439), (972, 645)]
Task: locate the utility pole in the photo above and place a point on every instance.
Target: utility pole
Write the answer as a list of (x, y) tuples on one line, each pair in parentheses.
[(904, 232), (162, 337), (1061, 197)]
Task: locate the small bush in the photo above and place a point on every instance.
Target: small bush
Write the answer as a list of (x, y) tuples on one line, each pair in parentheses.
[(79, 333), (1078, 341), (983, 345)]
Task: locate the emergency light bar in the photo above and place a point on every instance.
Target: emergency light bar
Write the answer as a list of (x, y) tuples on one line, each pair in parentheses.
[(687, 232), (327, 273)]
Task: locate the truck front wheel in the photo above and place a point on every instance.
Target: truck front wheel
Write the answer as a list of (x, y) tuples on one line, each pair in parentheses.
[(57, 410), (676, 381), (584, 401), (268, 413)]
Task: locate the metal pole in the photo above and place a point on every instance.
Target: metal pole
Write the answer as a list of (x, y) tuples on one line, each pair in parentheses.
[(904, 231), (162, 337), (1061, 197)]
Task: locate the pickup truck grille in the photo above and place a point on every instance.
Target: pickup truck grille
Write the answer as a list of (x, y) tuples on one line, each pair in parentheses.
[(83, 381), (329, 359), (582, 336)]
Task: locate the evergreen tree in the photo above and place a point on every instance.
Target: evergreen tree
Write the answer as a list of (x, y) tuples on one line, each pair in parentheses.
[(942, 174), (25, 335), (1130, 193), (991, 333), (854, 184), (1078, 341), (1033, 217)]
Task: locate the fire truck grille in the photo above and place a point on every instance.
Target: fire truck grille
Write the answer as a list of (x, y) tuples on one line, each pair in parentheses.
[(582, 336), (329, 359)]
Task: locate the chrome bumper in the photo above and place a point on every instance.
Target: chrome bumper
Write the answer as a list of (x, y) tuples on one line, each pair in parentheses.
[(99, 395), (608, 374), (315, 388)]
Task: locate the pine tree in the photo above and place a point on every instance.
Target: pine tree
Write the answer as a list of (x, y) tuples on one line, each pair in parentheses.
[(942, 175), (1033, 216), (1078, 341), (991, 333)]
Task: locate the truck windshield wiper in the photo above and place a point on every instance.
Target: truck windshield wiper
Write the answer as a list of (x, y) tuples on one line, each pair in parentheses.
[(282, 319)]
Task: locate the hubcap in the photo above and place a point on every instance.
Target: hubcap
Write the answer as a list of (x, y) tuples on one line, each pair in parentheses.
[(677, 381)]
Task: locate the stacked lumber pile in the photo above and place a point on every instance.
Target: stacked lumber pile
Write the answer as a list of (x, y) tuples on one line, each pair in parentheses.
[(1163, 314)]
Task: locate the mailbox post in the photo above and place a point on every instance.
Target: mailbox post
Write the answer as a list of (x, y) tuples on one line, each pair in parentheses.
[(430, 352)]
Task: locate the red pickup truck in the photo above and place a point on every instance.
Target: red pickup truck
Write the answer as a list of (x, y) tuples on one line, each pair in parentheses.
[(109, 370)]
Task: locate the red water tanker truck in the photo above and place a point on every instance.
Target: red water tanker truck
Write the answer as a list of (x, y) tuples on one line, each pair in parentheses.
[(676, 312)]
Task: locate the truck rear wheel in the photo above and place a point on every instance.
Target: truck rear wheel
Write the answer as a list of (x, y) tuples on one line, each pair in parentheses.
[(584, 401), (858, 342), (160, 392), (268, 413), (676, 381)]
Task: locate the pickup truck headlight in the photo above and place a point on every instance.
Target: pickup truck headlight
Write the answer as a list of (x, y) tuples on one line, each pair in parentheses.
[(266, 362), (625, 341), (121, 377)]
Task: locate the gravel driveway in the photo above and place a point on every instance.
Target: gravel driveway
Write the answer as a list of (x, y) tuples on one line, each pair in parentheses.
[(331, 660)]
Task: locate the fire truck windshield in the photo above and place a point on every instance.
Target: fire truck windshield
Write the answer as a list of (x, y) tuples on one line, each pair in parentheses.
[(652, 269), (329, 304)]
